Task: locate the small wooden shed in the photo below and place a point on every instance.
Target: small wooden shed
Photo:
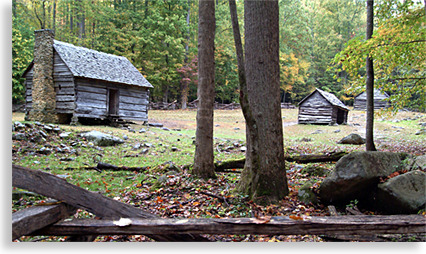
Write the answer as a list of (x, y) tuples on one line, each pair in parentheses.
[(65, 82), (360, 102), (321, 107)]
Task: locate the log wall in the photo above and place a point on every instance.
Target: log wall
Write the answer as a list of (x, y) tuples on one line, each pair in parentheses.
[(316, 110), (360, 102), (92, 100)]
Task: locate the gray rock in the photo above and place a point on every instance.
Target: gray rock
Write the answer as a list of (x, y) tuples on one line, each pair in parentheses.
[(142, 130), (336, 131), (102, 139), (64, 134), (403, 194), (421, 132), (243, 149), (356, 175), (43, 134), (174, 149), (236, 128), (155, 125), (165, 129), (136, 146), (19, 136), (19, 125), (132, 130), (306, 195), (352, 139), (57, 129), (45, 150), (317, 132), (144, 151), (147, 145), (47, 128), (125, 137)]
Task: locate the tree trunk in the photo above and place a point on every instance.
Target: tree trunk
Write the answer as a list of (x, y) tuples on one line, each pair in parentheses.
[(203, 160), (264, 177), (369, 127), (185, 84)]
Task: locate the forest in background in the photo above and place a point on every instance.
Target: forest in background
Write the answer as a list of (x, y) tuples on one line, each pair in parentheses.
[(160, 39)]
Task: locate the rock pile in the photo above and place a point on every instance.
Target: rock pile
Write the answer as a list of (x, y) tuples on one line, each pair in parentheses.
[(383, 180)]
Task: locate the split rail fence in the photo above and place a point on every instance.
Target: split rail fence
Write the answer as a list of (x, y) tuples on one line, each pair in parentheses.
[(55, 219)]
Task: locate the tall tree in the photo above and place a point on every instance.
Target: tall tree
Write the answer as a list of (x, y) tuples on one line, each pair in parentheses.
[(264, 176), (203, 160), (369, 127), (398, 52)]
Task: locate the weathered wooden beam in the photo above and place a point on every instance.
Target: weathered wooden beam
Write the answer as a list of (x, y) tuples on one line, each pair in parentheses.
[(28, 220), (335, 225), (308, 158), (52, 186)]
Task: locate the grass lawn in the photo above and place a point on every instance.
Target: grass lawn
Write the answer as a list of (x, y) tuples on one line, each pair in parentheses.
[(392, 133)]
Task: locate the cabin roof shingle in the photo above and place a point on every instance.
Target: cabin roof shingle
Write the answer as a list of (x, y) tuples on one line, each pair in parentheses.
[(89, 63), (329, 97)]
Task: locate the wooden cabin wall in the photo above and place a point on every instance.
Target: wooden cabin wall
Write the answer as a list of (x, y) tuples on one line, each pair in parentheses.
[(133, 103), (64, 86), (360, 101), (28, 92), (315, 110), (92, 100)]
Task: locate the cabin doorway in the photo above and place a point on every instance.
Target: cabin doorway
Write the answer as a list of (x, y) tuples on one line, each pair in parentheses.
[(112, 102)]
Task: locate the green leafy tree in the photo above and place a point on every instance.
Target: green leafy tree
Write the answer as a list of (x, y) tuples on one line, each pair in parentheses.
[(397, 48), (22, 48)]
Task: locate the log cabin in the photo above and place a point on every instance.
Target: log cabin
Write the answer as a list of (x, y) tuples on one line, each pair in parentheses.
[(70, 84), (321, 107), (380, 102)]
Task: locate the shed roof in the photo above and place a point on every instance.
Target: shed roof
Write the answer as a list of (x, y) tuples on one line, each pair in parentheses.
[(329, 97), (89, 63), (377, 94)]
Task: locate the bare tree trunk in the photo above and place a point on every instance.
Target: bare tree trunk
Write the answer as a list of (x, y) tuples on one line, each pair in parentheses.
[(369, 128), (251, 130), (204, 157), (54, 16), (264, 177), (185, 84)]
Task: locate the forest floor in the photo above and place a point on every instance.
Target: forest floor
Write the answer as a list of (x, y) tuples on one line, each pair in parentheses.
[(182, 195)]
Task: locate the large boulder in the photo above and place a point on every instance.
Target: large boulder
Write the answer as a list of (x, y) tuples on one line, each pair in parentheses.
[(356, 175), (102, 139), (403, 194), (352, 139)]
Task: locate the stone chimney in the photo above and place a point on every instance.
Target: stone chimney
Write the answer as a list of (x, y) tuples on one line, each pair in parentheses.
[(43, 90)]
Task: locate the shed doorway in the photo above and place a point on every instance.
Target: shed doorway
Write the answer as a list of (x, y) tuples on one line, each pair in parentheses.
[(112, 102), (341, 116)]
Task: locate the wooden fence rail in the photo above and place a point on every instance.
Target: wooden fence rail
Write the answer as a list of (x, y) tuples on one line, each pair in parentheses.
[(339, 225), (43, 220)]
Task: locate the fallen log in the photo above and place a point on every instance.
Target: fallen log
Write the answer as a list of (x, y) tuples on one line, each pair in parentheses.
[(221, 166), (52, 186), (334, 225)]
